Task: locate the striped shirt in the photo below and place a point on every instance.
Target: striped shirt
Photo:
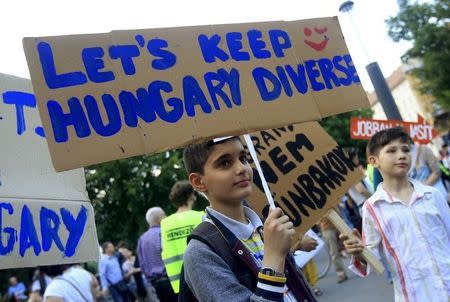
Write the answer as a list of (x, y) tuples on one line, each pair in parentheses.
[(415, 238)]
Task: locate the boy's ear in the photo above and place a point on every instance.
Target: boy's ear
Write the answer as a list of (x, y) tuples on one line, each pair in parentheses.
[(196, 180), (372, 159)]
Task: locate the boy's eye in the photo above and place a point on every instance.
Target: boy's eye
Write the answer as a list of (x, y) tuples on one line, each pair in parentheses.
[(225, 163), (243, 159)]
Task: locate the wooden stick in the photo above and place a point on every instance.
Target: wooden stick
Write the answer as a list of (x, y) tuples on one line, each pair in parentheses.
[(343, 228)]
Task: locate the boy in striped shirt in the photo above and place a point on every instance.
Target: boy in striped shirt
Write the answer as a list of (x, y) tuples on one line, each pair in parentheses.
[(406, 221)]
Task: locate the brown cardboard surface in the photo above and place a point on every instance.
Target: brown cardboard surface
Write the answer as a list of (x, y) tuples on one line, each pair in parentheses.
[(295, 102), (25, 221), (38, 206), (300, 173)]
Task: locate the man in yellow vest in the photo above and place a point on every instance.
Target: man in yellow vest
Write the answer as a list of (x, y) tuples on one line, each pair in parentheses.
[(176, 228)]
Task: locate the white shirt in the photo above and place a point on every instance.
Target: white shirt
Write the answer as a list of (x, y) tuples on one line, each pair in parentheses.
[(77, 276), (415, 238), (36, 286)]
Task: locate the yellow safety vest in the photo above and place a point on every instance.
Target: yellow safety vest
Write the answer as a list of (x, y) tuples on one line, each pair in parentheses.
[(174, 232)]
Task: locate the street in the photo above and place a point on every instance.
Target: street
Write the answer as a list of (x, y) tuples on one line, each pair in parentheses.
[(374, 288)]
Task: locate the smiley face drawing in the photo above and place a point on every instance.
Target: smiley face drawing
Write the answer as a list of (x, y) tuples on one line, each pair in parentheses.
[(321, 31)]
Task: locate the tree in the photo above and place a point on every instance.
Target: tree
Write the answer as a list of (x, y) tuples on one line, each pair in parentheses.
[(427, 26), (122, 191), (338, 127)]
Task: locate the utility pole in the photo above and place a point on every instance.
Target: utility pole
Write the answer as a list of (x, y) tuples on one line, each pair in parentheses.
[(379, 83)]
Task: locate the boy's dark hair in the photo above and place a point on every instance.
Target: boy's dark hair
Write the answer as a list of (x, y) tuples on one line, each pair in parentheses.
[(180, 193), (385, 137), (195, 156)]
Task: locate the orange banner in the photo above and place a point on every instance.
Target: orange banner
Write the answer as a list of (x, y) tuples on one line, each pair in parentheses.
[(364, 128)]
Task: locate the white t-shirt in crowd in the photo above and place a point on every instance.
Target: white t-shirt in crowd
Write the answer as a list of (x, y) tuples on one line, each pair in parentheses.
[(79, 278), (36, 286)]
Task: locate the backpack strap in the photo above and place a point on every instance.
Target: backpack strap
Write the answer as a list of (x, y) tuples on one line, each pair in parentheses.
[(210, 235), (207, 233)]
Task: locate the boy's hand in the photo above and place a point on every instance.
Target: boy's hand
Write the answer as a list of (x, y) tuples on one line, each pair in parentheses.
[(353, 246), (278, 235)]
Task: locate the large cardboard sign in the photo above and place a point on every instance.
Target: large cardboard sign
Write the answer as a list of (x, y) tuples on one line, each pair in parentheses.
[(114, 95), (307, 172), (45, 217), (364, 128)]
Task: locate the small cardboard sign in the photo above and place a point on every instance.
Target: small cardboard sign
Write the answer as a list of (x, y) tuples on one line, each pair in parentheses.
[(45, 232), (364, 128), (45, 217), (114, 95), (307, 172)]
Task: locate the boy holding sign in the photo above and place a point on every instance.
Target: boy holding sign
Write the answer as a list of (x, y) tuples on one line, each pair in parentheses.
[(226, 259), (406, 220)]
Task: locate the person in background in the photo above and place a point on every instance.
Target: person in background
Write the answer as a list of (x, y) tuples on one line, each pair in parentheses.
[(17, 290), (40, 282), (330, 236), (425, 168), (133, 274), (444, 166), (308, 244), (405, 220), (72, 283), (176, 228), (363, 189), (352, 211), (128, 268), (111, 275), (149, 254)]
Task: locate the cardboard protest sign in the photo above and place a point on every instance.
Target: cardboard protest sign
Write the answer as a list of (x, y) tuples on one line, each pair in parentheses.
[(307, 172), (45, 217), (364, 128), (114, 95)]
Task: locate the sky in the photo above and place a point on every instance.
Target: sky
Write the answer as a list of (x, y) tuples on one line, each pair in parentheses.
[(50, 18)]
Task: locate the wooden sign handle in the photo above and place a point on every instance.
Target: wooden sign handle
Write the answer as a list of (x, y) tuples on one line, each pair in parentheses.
[(343, 228)]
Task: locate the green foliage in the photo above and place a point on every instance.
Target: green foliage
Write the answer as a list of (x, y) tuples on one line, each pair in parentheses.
[(427, 26), (122, 191), (338, 127)]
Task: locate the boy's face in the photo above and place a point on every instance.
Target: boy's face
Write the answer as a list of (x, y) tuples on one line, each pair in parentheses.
[(227, 176), (393, 160)]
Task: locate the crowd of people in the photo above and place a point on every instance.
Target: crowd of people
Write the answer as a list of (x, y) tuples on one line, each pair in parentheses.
[(226, 253)]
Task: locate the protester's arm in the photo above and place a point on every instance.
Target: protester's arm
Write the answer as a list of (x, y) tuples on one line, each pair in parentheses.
[(102, 273), (94, 287), (210, 278), (23, 289), (140, 255), (371, 239), (305, 244), (432, 163)]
